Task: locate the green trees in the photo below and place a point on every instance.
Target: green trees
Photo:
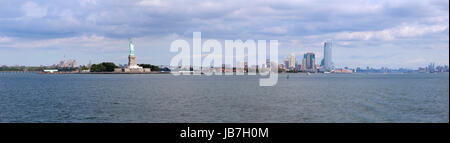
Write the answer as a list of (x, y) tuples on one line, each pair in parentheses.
[(109, 66), (21, 68), (103, 67), (84, 68), (97, 68), (152, 67)]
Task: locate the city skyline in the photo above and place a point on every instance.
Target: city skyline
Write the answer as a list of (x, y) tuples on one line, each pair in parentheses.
[(367, 33), (305, 64)]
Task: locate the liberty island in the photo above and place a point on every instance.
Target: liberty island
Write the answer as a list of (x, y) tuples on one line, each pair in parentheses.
[(132, 66)]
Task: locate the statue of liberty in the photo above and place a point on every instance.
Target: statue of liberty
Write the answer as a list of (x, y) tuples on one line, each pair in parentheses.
[(131, 48), (132, 65), (132, 58)]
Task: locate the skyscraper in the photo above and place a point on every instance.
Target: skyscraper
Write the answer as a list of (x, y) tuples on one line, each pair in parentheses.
[(327, 63), (292, 61), (286, 63), (308, 63)]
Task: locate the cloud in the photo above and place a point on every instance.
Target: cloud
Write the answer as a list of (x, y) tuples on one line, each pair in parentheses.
[(418, 60), (79, 41), (379, 35), (5, 39), (151, 3), (413, 28), (404, 31), (33, 10), (87, 2), (276, 30), (416, 30)]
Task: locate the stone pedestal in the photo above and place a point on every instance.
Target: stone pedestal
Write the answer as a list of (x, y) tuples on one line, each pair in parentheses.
[(132, 61)]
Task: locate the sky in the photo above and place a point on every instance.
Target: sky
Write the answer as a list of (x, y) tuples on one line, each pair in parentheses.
[(375, 33)]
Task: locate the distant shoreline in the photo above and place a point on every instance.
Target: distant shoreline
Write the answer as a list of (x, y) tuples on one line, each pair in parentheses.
[(170, 72), (122, 73), (105, 73)]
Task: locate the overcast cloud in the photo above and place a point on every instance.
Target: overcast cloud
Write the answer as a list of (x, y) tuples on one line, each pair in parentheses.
[(390, 33)]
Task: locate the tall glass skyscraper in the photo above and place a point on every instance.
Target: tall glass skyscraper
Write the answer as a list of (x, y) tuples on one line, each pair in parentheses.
[(327, 63), (309, 60)]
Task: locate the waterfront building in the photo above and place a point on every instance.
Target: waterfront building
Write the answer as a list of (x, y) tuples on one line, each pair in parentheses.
[(308, 63), (343, 71), (70, 63), (327, 64), (286, 63), (281, 67), (431, 68), (298, 65), (50, 70), (292, 62)]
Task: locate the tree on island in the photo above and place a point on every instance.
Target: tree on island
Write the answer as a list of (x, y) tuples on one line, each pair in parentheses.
[(84, 68), (152, 67), (21, 68), (103, 67), (165, 69)]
